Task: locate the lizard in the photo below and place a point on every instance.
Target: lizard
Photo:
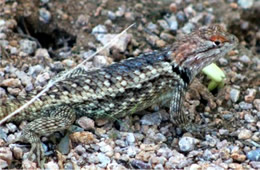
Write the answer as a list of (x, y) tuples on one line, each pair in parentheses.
[(123, 88)]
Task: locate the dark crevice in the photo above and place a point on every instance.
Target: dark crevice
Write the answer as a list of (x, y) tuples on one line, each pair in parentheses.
[(49, 39)]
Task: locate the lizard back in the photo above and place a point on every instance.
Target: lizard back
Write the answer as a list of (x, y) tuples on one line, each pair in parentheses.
[(116, 90)]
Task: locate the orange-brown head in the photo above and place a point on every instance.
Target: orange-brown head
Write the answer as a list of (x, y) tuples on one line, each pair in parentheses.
[(200, 48)]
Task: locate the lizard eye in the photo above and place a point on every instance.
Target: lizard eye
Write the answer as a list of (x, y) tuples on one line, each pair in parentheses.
[(218, 39)]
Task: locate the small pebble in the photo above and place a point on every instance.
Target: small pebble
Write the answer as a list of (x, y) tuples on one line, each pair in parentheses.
[(172, 22), (82, 20), (42, 53), (256, 137), (99, 29), (4, 43), (208, 155), (255, 164), (3, 134), (34, 71), (181, 16), (83, 137), (103, 159), (130, 16), (11, 127), (68, 165), (249, 118), (42, 79), (132, 151), (3, 164), (177, 161), (27, 164), (69, 63), (188, 27), (6, 154), (2, 36), (244, 59), (234, 94), (251, 93), (165, 152), (121, 44), (105, 148), (238, 157), (152, 27), (164, 24), (233, 5), (223, 61), (63, 145), (140, 164), (158, 167), (245, 106), (236, 166), (186, 144), (151, 119), (100, 61), (257, 104), (245, 3), (11, 138), (111, 15), (244, 134), (160, 43), (130, 138), (166, 36), (2, 22), (93, 158), (27, 46), (121, 11), (12, 82), (51, 166), (44, 15), (254, 155), (80, 149), (120, 143), (45, 1), (13, 50), (86, 123), (173, 7)]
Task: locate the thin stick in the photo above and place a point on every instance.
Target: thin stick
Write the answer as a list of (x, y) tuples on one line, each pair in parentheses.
[(51, 83)]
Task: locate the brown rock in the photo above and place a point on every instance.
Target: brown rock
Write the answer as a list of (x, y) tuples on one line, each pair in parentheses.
[(238, 157), (11, 82), (257, 104), (6, 154), (83, 137)]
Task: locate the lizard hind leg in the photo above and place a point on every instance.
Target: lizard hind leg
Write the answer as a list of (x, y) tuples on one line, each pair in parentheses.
[(59, 119)]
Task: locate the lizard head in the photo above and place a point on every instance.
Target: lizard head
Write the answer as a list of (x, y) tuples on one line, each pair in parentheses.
[(202, 47)]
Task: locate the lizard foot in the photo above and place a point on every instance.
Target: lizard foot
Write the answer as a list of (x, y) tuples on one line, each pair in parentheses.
[(36, 146), (199, 130), (39, 153)]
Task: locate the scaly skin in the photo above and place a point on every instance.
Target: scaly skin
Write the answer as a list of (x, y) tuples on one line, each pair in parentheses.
[(124, 88)]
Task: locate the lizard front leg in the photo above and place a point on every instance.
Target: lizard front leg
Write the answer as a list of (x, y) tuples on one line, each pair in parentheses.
[(58, 119), (180, 116), (177, 115)]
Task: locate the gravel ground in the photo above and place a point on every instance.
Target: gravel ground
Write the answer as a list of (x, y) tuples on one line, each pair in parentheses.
[(41, 38)]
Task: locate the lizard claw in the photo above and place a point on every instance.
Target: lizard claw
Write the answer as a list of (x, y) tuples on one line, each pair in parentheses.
[(199, 130), (39, 153), (36, 146)]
